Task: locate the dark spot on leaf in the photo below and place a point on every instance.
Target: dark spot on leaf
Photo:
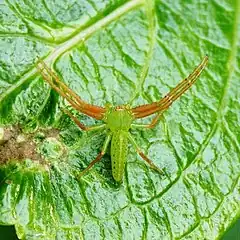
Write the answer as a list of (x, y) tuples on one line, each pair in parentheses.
[(15, 145)]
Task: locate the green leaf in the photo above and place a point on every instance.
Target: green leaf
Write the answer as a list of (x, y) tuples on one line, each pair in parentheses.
[(120, 52)]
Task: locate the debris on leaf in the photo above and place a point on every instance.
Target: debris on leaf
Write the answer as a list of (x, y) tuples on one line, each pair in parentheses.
[(15, 145)]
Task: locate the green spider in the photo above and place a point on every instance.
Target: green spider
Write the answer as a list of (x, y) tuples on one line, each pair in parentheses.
[(118, 120)]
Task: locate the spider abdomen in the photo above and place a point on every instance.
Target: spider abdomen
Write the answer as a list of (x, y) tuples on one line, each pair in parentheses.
[(119, 150)]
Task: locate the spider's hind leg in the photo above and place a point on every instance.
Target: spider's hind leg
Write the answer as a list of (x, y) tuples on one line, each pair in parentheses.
[(143, 156), (99, 156)]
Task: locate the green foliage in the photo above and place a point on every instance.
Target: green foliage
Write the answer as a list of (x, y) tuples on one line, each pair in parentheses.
[(120, 52)]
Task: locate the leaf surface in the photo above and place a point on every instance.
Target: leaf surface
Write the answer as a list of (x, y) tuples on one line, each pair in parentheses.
[(120, 52)]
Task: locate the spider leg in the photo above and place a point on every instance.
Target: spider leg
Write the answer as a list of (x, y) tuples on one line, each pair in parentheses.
[(76, 102), (81, 125), (143, 156), (152, 124), (99, 156), (165, 103)]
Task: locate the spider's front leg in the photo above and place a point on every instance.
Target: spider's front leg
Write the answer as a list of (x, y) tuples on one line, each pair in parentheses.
[(76, 102), (173, 95)]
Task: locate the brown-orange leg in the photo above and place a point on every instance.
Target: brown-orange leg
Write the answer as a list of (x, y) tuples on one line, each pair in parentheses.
[(99, 156), (152, 124), (165, 103), (76, 102), (81, 125), (144, 157)]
